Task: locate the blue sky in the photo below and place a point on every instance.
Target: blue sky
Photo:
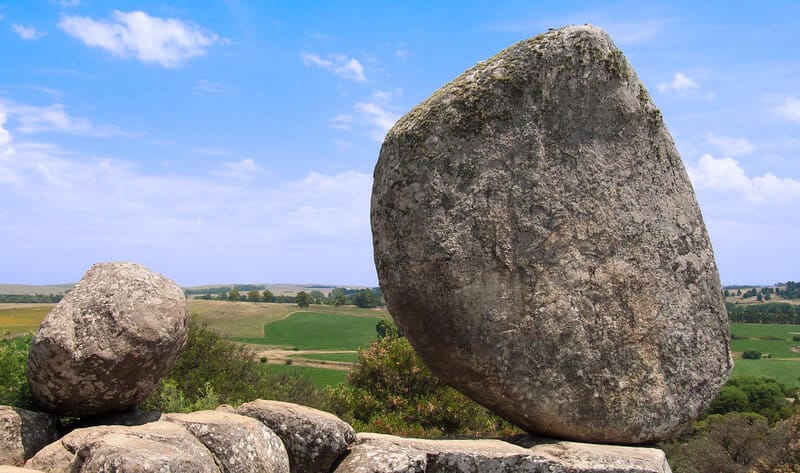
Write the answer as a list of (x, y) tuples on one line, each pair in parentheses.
[(234, 141)]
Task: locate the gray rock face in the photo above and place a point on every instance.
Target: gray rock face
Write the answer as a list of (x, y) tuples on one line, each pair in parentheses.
[(240, 444), (109, 342), (314, 439), (538, 241), (158, 446), (23, 433), (376, 453)]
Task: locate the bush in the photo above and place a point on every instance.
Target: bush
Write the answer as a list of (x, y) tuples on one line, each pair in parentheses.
[(796, 338), (214, 368), (763, 396), (14, 390), (391, 391), (751, 355)]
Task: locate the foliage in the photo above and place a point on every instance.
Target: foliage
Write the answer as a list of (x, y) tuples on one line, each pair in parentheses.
[(732, 443), (365, 299), (268, 296), (234, 295), (253, 296), (31, 298), (304, 299), (387, 328), (14, 389), (751, 354), (212, 364), (391, 391), (766, 313), (754, 394)]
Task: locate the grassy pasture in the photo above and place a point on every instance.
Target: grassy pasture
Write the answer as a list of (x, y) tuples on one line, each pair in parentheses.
[(785, 371), (320, 331), (759, 337), (19, 319), (321, 377)]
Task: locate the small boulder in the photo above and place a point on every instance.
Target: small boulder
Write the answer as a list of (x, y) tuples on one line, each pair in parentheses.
[(314, 439), (154, 447), (241, 444), (538, 241), (23, 433), (109, 342)]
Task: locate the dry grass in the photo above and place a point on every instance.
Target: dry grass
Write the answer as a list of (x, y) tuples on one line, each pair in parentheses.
[(16, 321)]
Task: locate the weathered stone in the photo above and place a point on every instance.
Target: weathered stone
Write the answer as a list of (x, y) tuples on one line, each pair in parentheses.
[(241, 444), (23, 433), (377, 453), (109, 342), (154, 447), (16, 469), (314, 439), (538, 241)]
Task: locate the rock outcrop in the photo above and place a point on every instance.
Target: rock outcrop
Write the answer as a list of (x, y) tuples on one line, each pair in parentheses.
[(23, 433), (240, 444), (539, 243), (314, 439), (109, 342), (376, 453)]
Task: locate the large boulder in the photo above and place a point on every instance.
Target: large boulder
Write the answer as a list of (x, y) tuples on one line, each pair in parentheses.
[(537, 239), (314, 439), (23, 433), (109, 342), (377, 453), (241, 444)]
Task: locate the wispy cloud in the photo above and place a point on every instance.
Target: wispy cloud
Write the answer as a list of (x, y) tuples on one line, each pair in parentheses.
[(789, 109), (342, 121), (28, 33), (725, 175), (680, 84), (378, 114), (343, 66), (730, 146), (246, 169), (169, 42), (203, 85), (38, 119)]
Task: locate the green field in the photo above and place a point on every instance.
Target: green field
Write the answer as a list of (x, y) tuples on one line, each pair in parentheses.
[(321, 377), (345, 357), (310, 330), (784, 364), (756, 334)]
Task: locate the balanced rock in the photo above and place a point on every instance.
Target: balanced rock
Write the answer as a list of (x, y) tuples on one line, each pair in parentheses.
[(537, 239), (109, 342)]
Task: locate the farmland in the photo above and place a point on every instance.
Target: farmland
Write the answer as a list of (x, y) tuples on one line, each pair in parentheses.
[(773, 340)]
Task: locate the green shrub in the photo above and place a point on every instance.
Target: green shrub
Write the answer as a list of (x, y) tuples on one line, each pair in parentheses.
[(796, 338), (751, 355), (14, 390), (755, 394), (215, 368), (391, 391)]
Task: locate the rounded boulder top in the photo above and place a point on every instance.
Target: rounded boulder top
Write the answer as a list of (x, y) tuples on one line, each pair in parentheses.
[(538, 240), (109, 342)]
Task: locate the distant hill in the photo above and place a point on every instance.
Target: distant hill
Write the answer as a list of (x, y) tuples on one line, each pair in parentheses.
[(6, 289)]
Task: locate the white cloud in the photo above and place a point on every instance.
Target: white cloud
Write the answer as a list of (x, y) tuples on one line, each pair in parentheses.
[(789, 109), (725, 175), (169, 42), (37, 119), (342, 121), (27, 32), (341, 65), (730, 146), (401, 51), (245, 169), (5, 136), (680, 83), (378, 114), (203, 85), (70, 3)]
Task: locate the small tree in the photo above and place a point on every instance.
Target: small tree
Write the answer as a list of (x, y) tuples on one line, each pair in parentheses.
[(268, 296), (234, 295), (751, 354), (365, 299), (253, 296), (303, 299)]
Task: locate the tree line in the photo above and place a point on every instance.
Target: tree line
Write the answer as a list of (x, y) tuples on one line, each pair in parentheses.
[(768, 313), (364, 298), (31, 298)]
